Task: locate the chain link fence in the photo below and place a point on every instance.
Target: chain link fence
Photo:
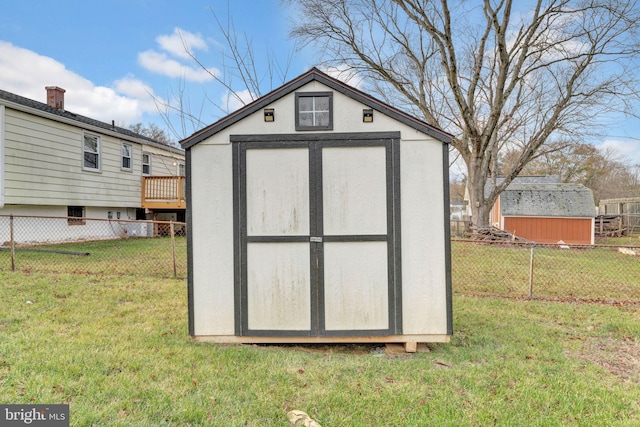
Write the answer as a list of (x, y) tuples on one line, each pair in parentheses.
[(597, 273), (76, 245), (159, 249)]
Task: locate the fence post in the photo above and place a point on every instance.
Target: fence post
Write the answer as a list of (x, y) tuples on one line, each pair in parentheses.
[(531, 273), (12, 244), (173, 249), (601, 226)]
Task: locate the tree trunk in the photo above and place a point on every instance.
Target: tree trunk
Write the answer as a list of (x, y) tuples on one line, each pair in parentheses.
[(480, 206)]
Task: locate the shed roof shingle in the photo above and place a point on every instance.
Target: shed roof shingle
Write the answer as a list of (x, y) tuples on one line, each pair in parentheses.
[(547, 199)]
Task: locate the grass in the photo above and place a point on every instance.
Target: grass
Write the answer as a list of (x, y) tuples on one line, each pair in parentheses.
[(477, 268), (600, 273), (135, 256), (116, 349), (632, 239)]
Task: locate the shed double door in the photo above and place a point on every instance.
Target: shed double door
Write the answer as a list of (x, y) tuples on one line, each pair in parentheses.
[(316, 229)]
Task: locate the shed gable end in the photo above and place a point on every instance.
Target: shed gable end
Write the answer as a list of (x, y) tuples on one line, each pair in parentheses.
[(335, 86)]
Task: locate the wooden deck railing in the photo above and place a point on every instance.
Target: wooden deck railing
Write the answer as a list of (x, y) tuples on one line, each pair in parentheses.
[(163, 192)]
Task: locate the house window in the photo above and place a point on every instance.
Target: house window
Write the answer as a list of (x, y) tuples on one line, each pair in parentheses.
[(126, 156), (91, 152), (181, 170), (75, 215), (146, 164), (314, 111)]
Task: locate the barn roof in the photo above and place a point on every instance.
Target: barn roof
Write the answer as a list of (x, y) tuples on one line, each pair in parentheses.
[(315, 75), (547, 199), (522, 179)]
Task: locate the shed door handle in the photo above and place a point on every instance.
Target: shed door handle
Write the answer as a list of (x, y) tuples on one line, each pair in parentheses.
[(315, 239)]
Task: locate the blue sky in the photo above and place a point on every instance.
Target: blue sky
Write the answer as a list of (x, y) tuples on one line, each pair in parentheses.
[(111, 56)]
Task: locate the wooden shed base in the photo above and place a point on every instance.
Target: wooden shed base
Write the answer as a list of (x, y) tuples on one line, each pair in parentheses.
[(409, 341)]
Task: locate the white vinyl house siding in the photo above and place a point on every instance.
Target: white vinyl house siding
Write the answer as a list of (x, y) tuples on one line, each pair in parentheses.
[(44, 160), (2, 128), (162, 164)]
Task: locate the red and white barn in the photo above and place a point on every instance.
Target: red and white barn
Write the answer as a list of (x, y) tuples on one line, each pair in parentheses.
[(545, 210)]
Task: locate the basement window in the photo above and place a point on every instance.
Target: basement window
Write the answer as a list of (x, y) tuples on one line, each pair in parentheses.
[(76, 215)]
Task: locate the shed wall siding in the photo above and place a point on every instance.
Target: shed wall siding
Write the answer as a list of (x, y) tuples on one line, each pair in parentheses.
[(212, 239), (423, 260), (423, 268), (575, 231)]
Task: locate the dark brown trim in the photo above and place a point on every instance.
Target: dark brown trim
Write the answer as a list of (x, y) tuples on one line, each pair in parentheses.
[(300, 127), (189, 221), (447, 237), (397, 226), (362, 137), (238, 254)]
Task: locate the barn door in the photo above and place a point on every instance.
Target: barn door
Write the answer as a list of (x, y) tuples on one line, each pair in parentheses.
[(316, 225)]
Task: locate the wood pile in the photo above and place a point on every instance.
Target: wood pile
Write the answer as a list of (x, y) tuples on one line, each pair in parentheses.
[(609, 226), (493, 234)]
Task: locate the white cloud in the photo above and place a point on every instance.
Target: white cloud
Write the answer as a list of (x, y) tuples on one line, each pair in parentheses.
[(26, 73), (160, 63), (182, 43), (174, 60), (629, 149), (345, 74), (231, 103)]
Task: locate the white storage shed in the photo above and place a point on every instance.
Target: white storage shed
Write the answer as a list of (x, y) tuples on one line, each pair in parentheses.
[(318, 214)]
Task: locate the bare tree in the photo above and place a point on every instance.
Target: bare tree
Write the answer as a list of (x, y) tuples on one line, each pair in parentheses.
[(572, 162), (496, 75), (152, 131), (241, 75), (178, 113), (456, 189), (606, 172)]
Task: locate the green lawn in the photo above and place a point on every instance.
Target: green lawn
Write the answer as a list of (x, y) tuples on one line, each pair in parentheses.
[(631, 240), (135, 256), (116, 349), (600, 273)]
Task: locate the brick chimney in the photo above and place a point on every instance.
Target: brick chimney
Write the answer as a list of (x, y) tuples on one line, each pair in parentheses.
[(55, 97)]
